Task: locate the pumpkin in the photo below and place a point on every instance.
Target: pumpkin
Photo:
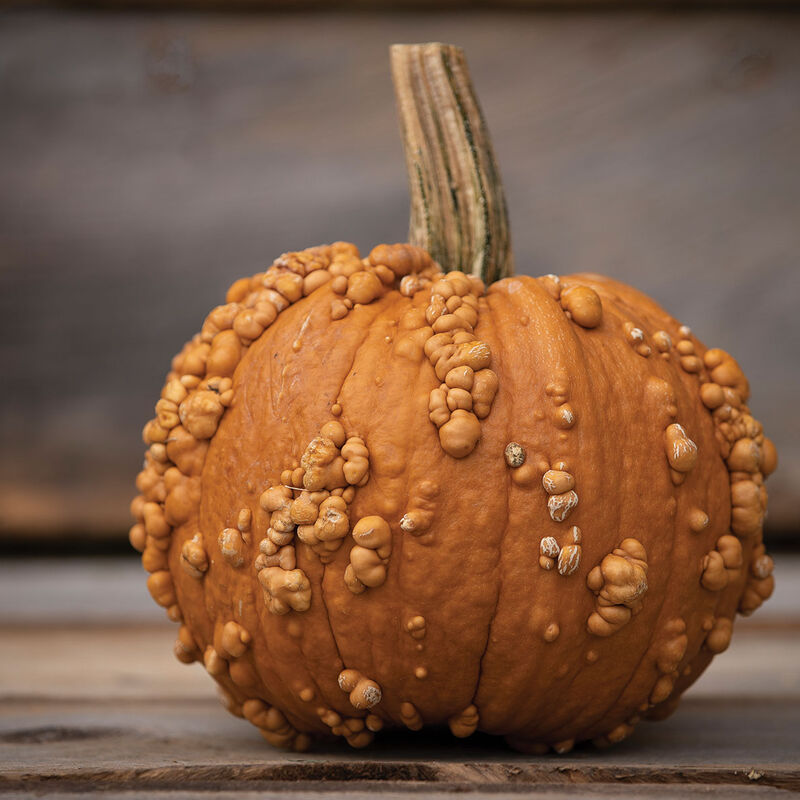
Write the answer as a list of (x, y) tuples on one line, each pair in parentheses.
[(382, 492)]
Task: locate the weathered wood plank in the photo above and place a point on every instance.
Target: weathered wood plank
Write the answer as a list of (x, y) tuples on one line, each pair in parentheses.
[(281, 6), (148, 160), (357, 791), (163, 744)]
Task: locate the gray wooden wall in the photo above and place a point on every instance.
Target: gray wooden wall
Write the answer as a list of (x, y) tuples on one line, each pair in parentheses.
[(148, 160)]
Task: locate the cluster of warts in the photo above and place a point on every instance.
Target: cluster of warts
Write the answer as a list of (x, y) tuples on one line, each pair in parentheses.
[(566, 559), (312, 499), (559, 485), (750, 457), (461, 361), (312, 504), (619, 582)]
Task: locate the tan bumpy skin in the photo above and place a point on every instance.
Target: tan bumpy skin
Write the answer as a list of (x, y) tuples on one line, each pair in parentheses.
[(381, 493)]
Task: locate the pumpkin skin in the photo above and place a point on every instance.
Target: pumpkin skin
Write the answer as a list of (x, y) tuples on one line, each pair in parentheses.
[(549, 554)]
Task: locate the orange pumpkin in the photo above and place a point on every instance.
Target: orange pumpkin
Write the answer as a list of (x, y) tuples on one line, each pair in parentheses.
[(376, 494)]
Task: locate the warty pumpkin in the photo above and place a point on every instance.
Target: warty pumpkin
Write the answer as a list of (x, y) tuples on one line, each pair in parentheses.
[(378, 493)]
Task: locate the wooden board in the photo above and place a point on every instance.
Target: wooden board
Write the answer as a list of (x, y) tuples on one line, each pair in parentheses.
[(92, 699), (170, 744), (148, 160)]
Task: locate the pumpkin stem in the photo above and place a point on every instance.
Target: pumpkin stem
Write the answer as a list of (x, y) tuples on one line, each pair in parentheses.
[(458, 208)]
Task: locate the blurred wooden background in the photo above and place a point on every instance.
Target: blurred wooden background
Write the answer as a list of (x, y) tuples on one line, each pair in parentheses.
[(147, 160)]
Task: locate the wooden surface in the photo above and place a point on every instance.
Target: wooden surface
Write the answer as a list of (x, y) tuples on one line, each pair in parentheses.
[(91, 698), (407, 5), (148, 160)]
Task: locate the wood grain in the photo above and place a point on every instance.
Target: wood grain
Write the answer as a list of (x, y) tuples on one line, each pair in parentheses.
[(148, 160), (169, 744)]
